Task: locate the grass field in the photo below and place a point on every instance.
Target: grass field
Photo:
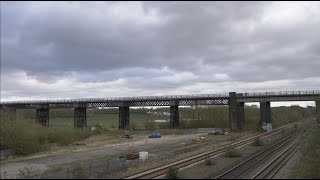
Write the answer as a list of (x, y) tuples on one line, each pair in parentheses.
[(107, 120)]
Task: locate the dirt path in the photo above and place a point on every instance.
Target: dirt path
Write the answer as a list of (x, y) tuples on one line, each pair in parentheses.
[(44, 163)]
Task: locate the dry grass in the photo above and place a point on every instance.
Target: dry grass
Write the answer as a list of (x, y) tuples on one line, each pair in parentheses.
[(308, 167)]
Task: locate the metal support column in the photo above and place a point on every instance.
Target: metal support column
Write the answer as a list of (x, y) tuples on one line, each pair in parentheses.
[(80, 117), (265, 112), (42, 116), (174, 116), (240, 118), (124, 118)]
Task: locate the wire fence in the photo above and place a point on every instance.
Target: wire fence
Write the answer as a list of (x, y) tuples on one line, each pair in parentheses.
[(279, 93), (138, 98)]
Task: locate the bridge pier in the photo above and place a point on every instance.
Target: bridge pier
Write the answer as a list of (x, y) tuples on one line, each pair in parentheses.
[(265, 112), (236, 112), (174, 116), (124, 118), (80, 117), (42, 116), (8, 114), (241, 119)]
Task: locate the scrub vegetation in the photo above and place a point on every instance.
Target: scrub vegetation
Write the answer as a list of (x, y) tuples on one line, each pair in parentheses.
[(172, 173), (26, 137), (232, 152), (194, 117), (257, 142), (308, 167)]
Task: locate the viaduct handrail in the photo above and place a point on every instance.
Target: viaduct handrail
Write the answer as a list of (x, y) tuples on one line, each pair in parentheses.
[(165, 98)]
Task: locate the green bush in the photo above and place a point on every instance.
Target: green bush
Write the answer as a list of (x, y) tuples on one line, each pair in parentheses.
[(23, 138), (26, 138), (99, 129), (257, 142), (27, 173), (172, 173), (209, 162), (231, 152)]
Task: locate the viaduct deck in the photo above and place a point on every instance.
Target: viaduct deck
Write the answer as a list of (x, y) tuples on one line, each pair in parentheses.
[(180, 100)]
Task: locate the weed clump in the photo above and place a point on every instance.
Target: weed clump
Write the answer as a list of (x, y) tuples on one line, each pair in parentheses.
[(209, 162), (27, 173), (172, 173), (257, 142), (231, 152)]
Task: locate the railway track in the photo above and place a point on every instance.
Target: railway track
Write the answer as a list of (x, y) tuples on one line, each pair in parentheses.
[(161, 170), (241, 169), (273, 167), (248, 168)]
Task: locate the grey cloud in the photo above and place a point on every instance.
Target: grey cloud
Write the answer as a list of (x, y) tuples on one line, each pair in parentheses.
[(154, 46)]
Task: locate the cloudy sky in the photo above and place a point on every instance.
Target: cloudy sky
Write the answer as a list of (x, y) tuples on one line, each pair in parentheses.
[(109, 49)]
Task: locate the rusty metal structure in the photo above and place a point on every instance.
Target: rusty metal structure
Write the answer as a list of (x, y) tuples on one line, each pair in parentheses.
[(80, 117), (234, 100)]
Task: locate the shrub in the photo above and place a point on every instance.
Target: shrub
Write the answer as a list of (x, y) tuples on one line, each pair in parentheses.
[(231, 152), (257, 142), (25, 138), (27, 173), (172, 173), (78, 172), (99, 129), (209, 162)]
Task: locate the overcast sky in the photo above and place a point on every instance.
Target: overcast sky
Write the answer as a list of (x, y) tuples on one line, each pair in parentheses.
[(108, 49)]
